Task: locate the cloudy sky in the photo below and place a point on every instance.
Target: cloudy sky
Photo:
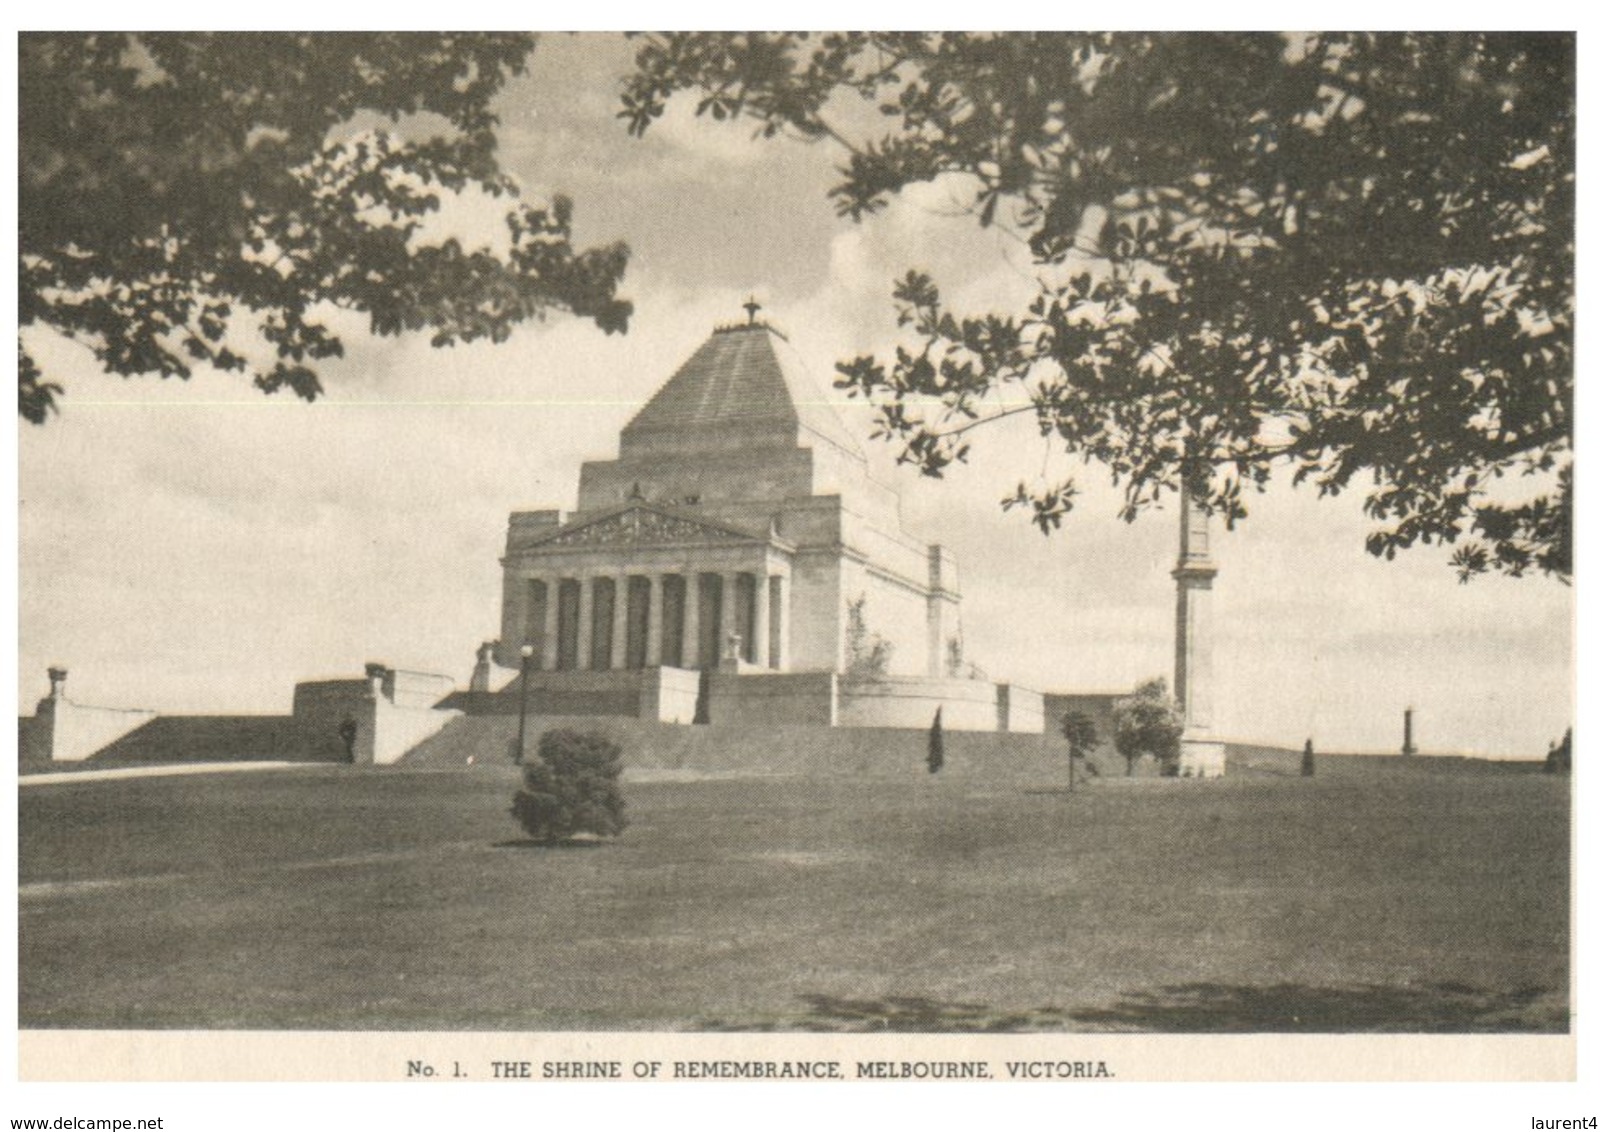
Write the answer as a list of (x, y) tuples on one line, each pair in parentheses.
[(200, 548)]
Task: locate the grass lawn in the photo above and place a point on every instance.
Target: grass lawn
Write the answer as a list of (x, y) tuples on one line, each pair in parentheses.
[(335, 898)]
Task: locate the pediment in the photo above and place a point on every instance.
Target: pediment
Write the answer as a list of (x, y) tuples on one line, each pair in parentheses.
[(639, 526)]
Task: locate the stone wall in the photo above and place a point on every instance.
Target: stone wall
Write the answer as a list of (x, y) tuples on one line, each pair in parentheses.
[(33, 739), (170, 739), (1098, 706), (382, 727), (668, 695), (62, 731), (321, 708), (747, 696), (894, 611), (1019, 709), (912, 701), (817, 612), (581, 692), (415, 689), (397, 729), (774, 698), (711, 478), (888, 548)]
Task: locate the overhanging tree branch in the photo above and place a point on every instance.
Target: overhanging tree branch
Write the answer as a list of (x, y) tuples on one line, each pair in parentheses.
[(162, 174), (1363, 240)]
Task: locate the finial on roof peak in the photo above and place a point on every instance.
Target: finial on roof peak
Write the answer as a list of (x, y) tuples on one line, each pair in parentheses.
[(753, 307)]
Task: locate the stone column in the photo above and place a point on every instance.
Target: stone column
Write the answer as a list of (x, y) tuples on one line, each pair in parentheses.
[(547, 659), (655, 644), (690, 616), (528, 612), (760, 648), (583, 628), (781, 621), (728, 612), (1201, 756), (622, 618)]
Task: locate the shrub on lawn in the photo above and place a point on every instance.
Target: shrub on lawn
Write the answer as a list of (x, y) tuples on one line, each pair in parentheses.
[(573, 787)]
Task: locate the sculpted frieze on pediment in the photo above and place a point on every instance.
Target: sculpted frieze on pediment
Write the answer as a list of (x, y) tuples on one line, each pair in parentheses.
[(639, 526)]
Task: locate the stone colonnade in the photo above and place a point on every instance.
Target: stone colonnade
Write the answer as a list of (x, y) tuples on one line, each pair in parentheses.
[(597, 620)]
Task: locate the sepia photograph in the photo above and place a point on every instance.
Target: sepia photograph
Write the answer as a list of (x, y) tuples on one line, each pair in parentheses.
[(914, 555)]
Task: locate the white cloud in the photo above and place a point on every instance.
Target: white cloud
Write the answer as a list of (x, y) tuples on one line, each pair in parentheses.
[(732, 144)]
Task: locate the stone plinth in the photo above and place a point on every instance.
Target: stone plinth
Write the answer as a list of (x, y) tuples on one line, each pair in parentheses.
[(1202, 758)]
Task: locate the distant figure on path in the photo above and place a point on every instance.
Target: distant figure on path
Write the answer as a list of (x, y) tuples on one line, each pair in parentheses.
[(1309, 761), (348, 730)]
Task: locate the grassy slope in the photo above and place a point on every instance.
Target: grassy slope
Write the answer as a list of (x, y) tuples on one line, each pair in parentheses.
[(334, 898)]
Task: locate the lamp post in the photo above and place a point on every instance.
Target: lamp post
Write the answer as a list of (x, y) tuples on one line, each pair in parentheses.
[(525, 653)]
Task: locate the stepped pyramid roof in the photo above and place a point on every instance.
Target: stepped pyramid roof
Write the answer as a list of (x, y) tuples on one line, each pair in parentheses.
[(743, 377)]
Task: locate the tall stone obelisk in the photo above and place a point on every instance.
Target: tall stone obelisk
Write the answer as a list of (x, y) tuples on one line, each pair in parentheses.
[(1201, 755)]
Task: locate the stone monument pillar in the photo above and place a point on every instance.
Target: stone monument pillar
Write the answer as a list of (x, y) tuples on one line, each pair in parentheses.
[(1201, 756)]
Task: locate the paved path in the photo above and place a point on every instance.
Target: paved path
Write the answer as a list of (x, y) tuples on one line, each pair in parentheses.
[(56, 779)]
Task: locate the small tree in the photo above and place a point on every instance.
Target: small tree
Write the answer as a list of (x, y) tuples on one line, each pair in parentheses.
[(574, 787), (935, 743), (1147, 723), (1309, 761), (1081, 737)]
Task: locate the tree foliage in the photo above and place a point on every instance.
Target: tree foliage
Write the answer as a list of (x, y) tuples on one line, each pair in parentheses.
[(573, 787), (1349, 254), (205, 199), (1147, 723)]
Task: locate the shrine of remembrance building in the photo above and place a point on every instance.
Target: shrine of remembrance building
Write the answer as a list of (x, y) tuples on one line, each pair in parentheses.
[(740, 508), (738, 531)]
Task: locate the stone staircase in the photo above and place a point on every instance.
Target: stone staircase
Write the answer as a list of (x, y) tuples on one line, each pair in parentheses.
[(206, 738)]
